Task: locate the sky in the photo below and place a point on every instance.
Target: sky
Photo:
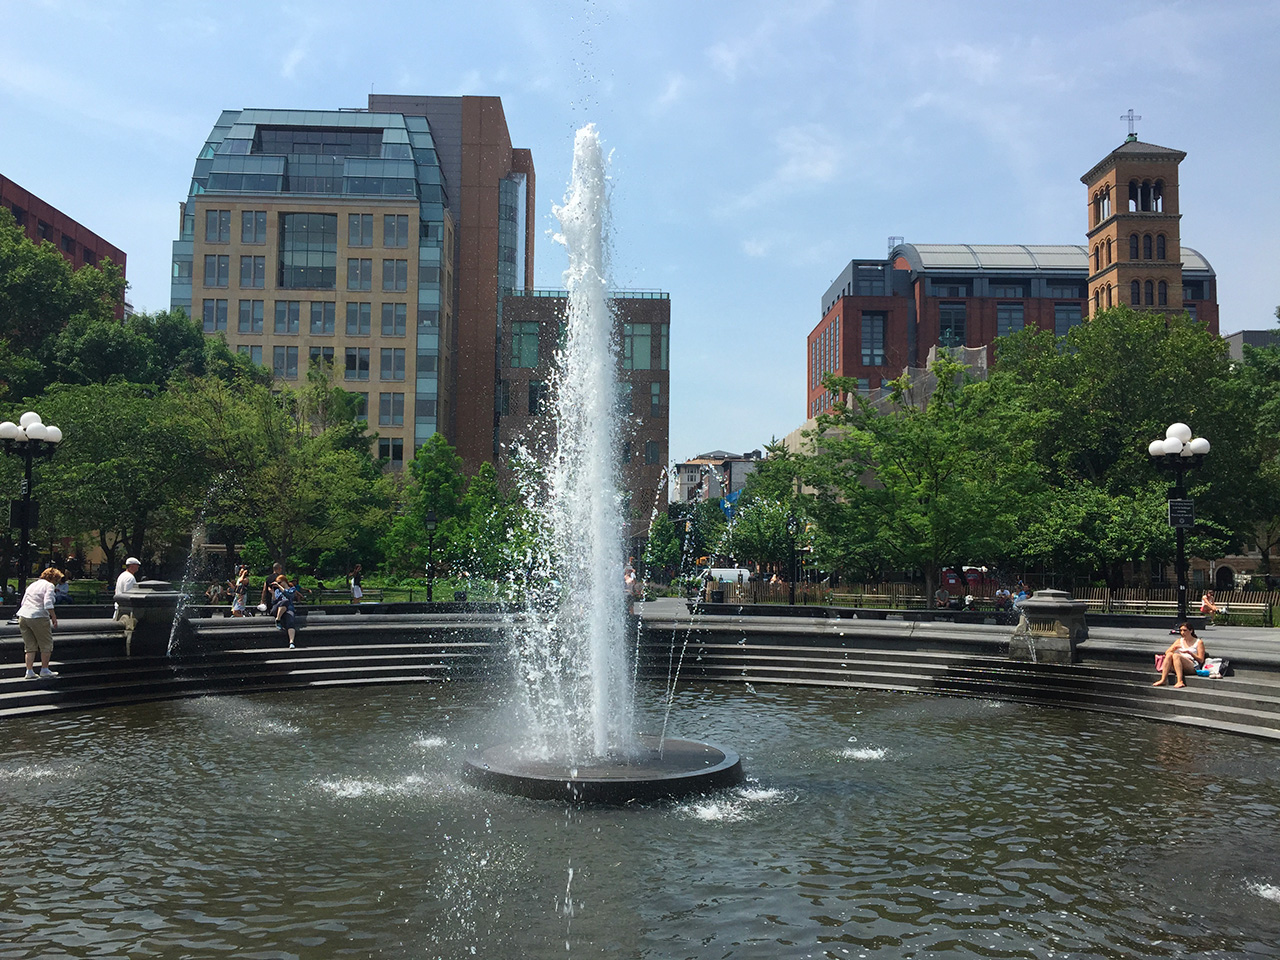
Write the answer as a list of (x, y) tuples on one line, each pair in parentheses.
[(756, 146)]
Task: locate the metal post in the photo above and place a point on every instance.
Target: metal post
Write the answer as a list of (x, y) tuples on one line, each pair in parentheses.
[(1180, 493), (24, 557)]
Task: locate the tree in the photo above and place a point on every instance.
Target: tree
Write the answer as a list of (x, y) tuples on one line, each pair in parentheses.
[(435, 485), (759, 532), (662, 548)]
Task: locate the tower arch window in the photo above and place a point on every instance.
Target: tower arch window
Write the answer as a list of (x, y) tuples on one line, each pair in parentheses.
[(1163, 292), (1133, 196), (1108, 295), (1146, 246), (1106, 202), (1097, 300), (1097, 257), (1149, 293), (1157, 196), (1160, 248), (1133, 246), (1108, 251), (1135, 293)]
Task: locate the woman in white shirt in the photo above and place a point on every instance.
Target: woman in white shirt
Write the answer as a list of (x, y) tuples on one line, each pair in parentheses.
[(36, 620)]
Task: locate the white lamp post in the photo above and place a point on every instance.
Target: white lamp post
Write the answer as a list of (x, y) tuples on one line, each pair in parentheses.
[(1178, 452), (30, 439)]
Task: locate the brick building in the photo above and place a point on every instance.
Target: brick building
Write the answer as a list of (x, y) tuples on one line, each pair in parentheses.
[(882, 316)]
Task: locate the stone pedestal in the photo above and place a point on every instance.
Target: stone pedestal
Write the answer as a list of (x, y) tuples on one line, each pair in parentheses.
[(1050, 627), (148, 614)]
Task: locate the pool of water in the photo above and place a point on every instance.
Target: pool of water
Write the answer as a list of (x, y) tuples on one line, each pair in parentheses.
[(334, 823)]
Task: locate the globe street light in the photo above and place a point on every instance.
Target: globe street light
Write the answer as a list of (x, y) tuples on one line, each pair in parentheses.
[(1178, 452), (793, 530), (30, 439)]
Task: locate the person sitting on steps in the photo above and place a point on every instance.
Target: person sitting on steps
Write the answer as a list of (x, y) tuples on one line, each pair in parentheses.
[(1185, 653)]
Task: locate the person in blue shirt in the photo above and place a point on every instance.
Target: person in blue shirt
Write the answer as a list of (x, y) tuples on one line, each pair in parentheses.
[(283, 595)]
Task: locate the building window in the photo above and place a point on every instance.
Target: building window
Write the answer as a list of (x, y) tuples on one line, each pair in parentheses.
[(951, 324), (359, 319), (873, 332), (1135, 293), (1149, 293), (1191, 309), (1066, 316), (360, 229), (1010, 318), (392, 364), (950, 287), (250, 316), (655, 399), (637, 346), (395, 274), (357, 364), (393, 319), (1163, 294), (288, 313), (217, 270), (1097, 300), (217, 226), (652, 452), (359, 274), (254, 353), (1108, 252), (1097, 257), (253, 272), (1133, 246), (424, 407), (284, 363), (1146, 246), (1065, 291), (308, 251), (391, 449), (391, 409), (68, 244), (322, 318), (253, 226), (362, 406), (537, 397), (215, 316), (182, 270), (395, 230), (320, 358), (1160, 248), (1109, 296), (664, 346), (524, 344)]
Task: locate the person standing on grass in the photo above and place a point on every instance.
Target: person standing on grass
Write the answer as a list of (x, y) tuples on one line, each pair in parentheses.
[(357, 593), (36, 620)]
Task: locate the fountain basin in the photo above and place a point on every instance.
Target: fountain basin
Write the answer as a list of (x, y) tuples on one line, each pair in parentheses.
[(660, 770)]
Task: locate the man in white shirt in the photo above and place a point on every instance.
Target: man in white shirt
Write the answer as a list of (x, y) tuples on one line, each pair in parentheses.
[(128, 580)]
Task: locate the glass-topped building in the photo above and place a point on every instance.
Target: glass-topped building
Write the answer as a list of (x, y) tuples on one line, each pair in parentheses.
[(336, 237)]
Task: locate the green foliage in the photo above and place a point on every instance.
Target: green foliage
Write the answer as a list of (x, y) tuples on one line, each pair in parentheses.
[(759, 533), (661, 557)]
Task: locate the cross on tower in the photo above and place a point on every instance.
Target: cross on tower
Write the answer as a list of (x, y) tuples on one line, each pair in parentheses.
[(1131, 117)]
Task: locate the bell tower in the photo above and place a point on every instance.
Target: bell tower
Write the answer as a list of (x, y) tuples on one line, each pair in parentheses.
[(1135, 253)]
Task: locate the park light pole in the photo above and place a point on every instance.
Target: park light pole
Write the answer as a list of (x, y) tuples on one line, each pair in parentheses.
[(1178, 453), (30, 439), (430, 525), (793, 530)]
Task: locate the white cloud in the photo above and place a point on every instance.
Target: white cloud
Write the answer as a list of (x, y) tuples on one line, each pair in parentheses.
[(810, 155), (671, 93), (755, 249)]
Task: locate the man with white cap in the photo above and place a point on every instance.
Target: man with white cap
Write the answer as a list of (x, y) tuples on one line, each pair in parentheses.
[(128, 580)]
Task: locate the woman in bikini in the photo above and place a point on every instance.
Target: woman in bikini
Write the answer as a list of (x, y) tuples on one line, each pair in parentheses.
[(1185, 653)]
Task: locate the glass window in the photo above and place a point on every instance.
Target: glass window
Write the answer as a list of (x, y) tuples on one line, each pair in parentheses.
[(652, 451), (288, 313), (637, 346), (182, 269), (392, 449), (1066, 316), (524, 344), (322, 318), (359, 319), (215, 315), (664, 345), (394, 319), (655, 399), (1133, 246), (395, 230), (1149, 294), (950, 287), (1146, 246), (1009, 318), (359, 274), (284, 363), (951, 324), (1160, 248), (362, 406), (308, 251), (254, 353), (1006, 289), (391, 409), (319, 356), (217, 226), (357, 364), (395, 274), (1163, 294), (1135, 293), (873, 330), (360, 229), (253, 272), (392, 364), (250, 316), (217, 270), (253, 226), (537, 397)]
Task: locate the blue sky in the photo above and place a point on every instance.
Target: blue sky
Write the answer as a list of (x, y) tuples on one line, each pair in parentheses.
[(757, 146)]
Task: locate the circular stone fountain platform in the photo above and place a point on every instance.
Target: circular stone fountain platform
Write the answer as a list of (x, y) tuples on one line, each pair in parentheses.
[(679, 769)]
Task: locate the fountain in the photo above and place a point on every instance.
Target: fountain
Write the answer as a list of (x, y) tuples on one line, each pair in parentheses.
[(570, 644)]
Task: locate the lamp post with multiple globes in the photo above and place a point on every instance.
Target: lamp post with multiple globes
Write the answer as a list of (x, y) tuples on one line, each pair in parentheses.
[(1178, 452), (29, 439)]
